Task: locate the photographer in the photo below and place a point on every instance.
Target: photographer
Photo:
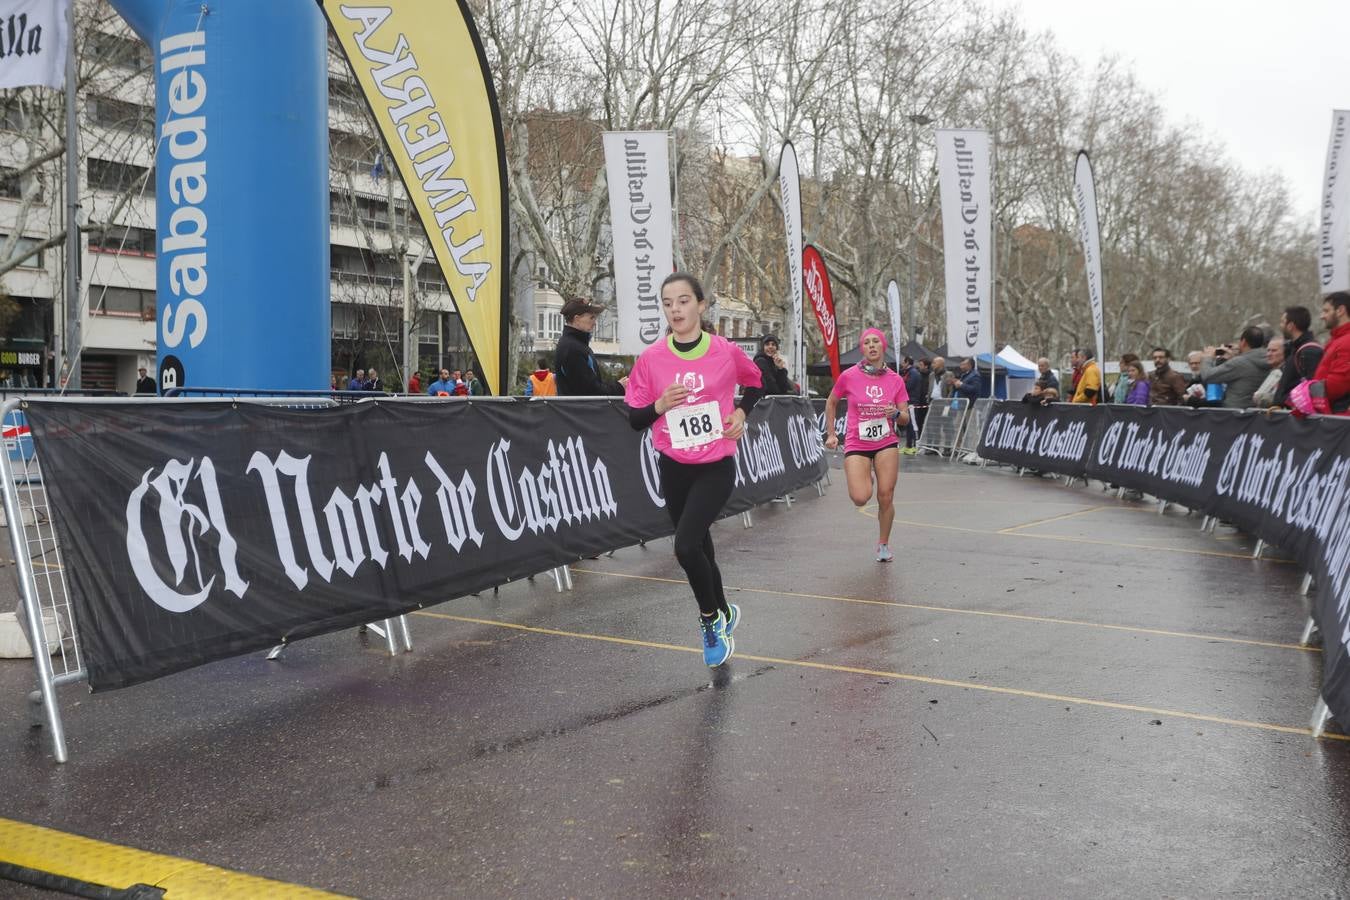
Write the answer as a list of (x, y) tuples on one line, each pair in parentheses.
[(1241, 368)]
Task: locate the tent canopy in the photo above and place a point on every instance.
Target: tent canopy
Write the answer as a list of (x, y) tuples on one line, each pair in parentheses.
[(1011, 357), (1015, 364)]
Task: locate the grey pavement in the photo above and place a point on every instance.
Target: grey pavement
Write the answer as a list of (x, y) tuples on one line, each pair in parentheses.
[(1050, 693)]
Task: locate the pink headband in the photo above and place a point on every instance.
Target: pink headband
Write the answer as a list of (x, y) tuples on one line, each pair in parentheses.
[(878, 332)]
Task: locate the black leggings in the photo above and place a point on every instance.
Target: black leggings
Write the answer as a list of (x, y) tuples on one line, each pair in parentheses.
[(695, 494)]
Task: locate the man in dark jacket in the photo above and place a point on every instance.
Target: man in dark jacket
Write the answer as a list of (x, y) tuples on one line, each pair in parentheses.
[(574, 365), (772, 368), (967, 383), (1296, 323)]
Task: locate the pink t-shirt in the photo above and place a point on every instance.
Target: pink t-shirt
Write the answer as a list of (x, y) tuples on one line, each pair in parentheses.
[(868, 396), (711, 377)]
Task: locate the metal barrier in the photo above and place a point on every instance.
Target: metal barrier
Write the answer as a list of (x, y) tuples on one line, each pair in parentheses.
[(973, 428), (45, 609), (942, 427)]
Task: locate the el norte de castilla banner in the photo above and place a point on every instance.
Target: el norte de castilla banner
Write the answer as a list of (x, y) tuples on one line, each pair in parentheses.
[(421, 65), (215, 529)]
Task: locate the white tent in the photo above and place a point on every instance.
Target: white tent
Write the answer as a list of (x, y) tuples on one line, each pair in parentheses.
[(1022, 372), (1011, 359)]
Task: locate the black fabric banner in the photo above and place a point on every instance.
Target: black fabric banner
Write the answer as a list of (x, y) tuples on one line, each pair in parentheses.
[(1052, 438), (197, 531), (1285, 480)]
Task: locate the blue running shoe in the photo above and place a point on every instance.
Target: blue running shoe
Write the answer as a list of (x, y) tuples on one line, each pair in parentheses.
[(734, 619), (717, 647), (884, 553)]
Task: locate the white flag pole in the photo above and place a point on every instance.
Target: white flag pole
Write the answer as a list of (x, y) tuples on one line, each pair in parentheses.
[(73, 338)]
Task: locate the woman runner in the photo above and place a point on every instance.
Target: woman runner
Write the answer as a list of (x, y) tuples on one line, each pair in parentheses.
[(876, 396), (684, 388)]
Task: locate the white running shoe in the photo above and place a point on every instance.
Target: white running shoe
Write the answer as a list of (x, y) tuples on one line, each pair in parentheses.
[(884, 553)]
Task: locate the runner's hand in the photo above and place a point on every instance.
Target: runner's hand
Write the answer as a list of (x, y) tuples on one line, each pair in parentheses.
[(733, 426), (832, 442), (670, 398)]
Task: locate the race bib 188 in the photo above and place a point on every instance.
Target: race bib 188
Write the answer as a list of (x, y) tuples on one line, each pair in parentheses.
[(694, 426)]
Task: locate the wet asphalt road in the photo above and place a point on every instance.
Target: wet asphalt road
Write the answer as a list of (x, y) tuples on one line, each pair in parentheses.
[(1050, 693)]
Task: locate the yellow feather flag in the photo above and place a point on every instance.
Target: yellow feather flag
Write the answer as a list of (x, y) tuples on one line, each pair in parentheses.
[(421, 66)]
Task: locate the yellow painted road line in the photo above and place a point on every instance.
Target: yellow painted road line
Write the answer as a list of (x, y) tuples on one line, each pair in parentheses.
[(1012, 529), (1049, 620), (901, 676), (112, 865)]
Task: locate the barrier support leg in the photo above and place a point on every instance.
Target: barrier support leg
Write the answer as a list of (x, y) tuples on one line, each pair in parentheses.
[(1306, 584), (1321, 715), (1309, 628), (406, 633), (557, 579), (787, 498), (820, 488), (32, 611), (1162, 507), (567, 576), (1260, 548), (46, 680), (747, 521)]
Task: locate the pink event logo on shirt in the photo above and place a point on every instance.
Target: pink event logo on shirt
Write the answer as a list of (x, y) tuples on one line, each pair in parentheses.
[(693, 382)]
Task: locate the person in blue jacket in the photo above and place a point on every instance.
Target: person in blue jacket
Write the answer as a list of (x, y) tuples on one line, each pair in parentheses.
[(443, 386), (966, 383)]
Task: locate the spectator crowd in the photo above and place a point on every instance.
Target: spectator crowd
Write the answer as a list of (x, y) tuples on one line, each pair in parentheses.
[(1262, 369)]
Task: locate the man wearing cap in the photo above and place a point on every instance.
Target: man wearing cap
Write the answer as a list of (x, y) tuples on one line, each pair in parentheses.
[(144, 383), (772, 369), (574, 365)]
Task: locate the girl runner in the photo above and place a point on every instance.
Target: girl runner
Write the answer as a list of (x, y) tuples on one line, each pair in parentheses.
[(876, 395), (683, 388)]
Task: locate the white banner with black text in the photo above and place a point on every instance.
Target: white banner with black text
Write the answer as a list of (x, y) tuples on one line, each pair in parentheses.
[(790, 191), (967, 237), (1333, 234), (637, 169), (1089, 235), (33, 35)]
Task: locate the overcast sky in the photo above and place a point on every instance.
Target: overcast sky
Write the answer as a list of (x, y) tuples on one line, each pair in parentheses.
[(1261, 78)]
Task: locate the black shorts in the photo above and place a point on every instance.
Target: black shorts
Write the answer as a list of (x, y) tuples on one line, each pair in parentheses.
[(871, 454)]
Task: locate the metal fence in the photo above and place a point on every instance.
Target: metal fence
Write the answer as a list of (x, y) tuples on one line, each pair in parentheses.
[(975, 419), (942, 427)]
